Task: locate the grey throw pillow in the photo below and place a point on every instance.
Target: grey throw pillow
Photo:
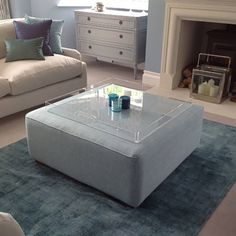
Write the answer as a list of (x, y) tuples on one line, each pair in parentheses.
[(24, 49)]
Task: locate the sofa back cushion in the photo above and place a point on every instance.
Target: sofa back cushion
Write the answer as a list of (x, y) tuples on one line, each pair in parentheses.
[(7, 31), (40, 29)]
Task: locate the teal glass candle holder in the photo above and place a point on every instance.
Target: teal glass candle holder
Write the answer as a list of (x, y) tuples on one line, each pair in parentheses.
[(112, 96), (116, 105)]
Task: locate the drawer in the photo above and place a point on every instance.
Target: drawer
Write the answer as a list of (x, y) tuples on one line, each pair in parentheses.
[(107, 22), (112, 36), (106, 51)]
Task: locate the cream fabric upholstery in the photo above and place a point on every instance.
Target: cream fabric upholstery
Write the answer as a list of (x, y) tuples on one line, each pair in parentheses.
[(7, 31), (8, 226), (72, 53), (30, 83), (4, 86), (12, 104), (28, 75)]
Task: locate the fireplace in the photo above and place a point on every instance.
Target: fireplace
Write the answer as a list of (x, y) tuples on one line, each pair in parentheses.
[(185, 21)]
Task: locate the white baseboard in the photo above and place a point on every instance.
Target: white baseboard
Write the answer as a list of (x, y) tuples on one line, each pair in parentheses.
[(151, 78)]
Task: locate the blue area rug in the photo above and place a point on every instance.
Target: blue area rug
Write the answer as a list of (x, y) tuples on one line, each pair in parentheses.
[(47, 203)]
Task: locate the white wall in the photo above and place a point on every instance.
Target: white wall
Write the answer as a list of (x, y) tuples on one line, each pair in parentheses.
[(156, 14)]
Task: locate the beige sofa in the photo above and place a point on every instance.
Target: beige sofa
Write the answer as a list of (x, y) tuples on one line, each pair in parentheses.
[(28, 83)]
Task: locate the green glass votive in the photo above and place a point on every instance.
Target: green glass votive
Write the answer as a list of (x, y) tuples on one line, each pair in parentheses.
[(116, 105), (112, 96)]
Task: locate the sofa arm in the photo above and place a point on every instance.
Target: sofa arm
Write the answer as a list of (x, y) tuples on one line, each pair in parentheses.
[(9, 226), (72, 53)]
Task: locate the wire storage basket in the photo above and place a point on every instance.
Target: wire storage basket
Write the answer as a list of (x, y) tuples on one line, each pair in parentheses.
[(211, 78)]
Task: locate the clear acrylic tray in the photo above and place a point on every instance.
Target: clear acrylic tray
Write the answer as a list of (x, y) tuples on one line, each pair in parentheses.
[(147, 112)]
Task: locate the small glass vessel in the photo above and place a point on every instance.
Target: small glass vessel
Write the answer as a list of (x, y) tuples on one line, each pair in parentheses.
[(116, 105), (111, 97)]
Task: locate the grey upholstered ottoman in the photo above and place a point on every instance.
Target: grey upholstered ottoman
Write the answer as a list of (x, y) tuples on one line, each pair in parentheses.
[(126, 170)]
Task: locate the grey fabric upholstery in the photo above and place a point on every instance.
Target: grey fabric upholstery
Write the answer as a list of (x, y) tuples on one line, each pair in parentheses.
[(127, 171)]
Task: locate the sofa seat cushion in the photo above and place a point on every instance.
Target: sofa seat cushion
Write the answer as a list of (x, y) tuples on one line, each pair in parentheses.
[(4, 86), (29, 75)]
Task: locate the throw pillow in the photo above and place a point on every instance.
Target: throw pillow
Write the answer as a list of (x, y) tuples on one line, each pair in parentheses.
[(55, 32), (41, 29), (28, 49)]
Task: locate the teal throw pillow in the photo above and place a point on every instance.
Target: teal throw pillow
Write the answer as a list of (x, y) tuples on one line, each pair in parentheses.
[(55, 32), (24, 49)]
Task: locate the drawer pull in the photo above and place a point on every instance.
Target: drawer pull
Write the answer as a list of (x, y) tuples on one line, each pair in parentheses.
[(89, 31), (120, 22), (88, 18), (121, 36), (90, 47), (121, 53)]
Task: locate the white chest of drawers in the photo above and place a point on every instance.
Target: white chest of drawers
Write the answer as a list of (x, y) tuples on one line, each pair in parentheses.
[(113, 36)]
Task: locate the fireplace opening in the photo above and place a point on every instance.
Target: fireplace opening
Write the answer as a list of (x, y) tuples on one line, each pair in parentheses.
[(194, 39), (223, 42), (204, 37)]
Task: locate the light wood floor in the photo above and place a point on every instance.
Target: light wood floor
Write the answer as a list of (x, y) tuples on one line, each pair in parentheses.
[(223, 220)]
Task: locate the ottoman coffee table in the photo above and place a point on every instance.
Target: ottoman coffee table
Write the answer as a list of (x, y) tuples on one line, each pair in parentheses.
[(125, 154)]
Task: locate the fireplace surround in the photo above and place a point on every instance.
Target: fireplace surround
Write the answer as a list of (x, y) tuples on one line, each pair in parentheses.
[(180, 33)]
